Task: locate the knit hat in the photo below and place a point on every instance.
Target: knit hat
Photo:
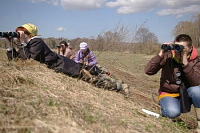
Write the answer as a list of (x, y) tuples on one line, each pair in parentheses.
[(83, 45), (31, 28)]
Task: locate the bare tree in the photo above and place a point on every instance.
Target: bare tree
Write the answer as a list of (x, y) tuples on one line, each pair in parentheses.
[(191, 28), (144, 36)]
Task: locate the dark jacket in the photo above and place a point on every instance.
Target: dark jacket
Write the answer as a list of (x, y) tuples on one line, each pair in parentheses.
[(39, 51), (191, 72)]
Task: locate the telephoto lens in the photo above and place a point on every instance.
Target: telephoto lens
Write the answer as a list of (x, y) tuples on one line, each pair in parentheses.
[(10, 34), (3, 34), (14, 34)]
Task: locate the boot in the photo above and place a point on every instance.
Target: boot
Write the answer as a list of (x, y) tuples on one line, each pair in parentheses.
[(125, 90), (86, 76), (198, 119)]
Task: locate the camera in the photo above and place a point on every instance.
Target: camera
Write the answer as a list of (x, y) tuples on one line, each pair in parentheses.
[(9, 34), (178, 48)]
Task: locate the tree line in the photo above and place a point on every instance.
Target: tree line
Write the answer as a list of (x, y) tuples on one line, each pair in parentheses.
[(190, 27), (138, 39)]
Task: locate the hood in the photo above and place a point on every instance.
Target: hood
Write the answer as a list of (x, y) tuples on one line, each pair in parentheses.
[(194, 53)]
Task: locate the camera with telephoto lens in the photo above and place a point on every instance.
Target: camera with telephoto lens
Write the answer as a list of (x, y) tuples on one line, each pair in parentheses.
[(178, 48), (9, 34)]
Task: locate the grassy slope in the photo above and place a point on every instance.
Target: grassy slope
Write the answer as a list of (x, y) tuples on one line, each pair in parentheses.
[(34, 98)]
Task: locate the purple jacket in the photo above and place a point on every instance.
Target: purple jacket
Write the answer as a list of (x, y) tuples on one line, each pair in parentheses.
[(89, 56)]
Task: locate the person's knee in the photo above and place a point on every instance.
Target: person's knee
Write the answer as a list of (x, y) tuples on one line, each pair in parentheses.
[(194, 94), (172, 113), (194, 91)]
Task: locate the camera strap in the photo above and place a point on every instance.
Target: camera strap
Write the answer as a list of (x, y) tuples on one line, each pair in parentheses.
[(176, 59), (185, 101)]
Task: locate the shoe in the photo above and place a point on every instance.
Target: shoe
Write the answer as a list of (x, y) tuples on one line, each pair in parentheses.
[(86, 75), (125, 90)]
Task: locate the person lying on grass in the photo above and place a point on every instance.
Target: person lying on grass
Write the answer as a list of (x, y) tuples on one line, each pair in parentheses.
[(32, 46)]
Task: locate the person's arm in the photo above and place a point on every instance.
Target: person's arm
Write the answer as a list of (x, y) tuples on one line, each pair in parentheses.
[(154, 65), (24, 53), (61, 52), (37, 49), (77, 59), (33, 50), (192, 73), (12, 53), (58, 51), (67, 53), (93, 60)]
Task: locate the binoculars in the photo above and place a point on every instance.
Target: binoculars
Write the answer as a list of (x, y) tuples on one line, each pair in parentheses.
[(178, 48), (9, 34), (59, 46)]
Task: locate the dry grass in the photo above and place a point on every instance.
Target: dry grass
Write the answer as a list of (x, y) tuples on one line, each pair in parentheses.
[(34, 98)]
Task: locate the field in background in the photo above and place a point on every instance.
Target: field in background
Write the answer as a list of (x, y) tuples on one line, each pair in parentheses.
[(34, 98)]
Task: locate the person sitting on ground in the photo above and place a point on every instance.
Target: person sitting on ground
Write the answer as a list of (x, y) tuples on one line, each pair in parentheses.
[(66, 50), (180, 71), (99, 76), (87, 59), (32, 46)]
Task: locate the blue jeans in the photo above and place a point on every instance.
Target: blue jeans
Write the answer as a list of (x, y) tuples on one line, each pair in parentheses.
[(170, 107)]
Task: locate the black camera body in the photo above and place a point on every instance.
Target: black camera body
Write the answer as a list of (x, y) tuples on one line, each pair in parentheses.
[(9, 34), (176, 47)]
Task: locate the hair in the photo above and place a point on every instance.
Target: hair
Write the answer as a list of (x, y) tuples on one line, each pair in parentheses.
[(184, 38), (64, 42), (23, 29)]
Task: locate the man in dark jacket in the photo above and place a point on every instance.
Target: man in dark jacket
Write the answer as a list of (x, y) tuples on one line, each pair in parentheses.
[(31, 46), (172, 63)]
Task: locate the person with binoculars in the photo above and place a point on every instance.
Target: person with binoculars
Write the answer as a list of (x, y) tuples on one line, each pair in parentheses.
[(32, 46), (180, 77), (66, 50)]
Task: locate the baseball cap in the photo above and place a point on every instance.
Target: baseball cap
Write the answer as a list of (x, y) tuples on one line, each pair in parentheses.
[(83, 45), (31, 28)]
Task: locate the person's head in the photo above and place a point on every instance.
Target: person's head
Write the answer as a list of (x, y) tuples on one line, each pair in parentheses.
[(63, 45), (30, 30), (184, 40), (84, 47)]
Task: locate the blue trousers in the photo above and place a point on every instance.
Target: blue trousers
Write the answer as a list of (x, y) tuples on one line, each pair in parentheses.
[(170, 107)]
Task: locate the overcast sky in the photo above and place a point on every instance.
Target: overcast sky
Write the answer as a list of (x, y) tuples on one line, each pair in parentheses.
[(87, 18)]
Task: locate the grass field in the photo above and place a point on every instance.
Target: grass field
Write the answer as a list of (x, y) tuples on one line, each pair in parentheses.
[(34, 98)]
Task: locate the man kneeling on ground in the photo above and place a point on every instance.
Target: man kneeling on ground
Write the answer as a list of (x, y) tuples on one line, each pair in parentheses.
[(180, 66)]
